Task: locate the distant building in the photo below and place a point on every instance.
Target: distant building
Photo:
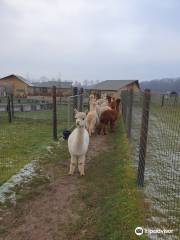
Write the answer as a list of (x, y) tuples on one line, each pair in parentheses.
[(115, 87), (2, 91), (45, 88), (21, 87)]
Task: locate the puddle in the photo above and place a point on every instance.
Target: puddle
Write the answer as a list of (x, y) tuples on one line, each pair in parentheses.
[(23, 176)]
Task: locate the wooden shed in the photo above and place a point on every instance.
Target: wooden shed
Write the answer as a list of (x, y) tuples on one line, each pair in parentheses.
[(115, 87), (21, 87)]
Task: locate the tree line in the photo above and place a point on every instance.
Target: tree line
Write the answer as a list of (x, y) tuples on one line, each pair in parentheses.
[(162, 85)]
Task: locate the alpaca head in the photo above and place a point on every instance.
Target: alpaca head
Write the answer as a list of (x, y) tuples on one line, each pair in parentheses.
[(108, 98), (91, 97), (113, 103), (98, 102), (80, 119)]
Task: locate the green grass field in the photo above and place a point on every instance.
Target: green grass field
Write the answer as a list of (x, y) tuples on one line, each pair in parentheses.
[(112, 207), (26, 138)]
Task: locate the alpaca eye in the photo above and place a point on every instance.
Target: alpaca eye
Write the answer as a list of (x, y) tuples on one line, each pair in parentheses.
[(83, 119)]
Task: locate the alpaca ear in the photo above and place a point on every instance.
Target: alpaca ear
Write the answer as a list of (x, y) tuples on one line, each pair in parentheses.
[(75, 111), (86, 112)]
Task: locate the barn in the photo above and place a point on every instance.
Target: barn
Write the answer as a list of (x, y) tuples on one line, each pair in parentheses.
[(16, 85), (115, 87), (21, 87)]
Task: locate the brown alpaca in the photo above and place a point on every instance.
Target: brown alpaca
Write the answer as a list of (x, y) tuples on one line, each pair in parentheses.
[(109, 117), (109, 99), (113, 103)]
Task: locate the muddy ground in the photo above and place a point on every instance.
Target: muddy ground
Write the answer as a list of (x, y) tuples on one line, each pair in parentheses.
[(50, 212)]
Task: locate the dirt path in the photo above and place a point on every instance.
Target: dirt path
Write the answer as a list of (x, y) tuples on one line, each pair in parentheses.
[(49, 214)]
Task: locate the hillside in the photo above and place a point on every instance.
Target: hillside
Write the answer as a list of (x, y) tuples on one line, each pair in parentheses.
[(162, 85)]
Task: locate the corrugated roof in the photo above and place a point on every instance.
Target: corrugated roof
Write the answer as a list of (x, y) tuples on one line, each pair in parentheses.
[(58, 84), (24, 80), (20, 78), (112, 85), (47, 84)]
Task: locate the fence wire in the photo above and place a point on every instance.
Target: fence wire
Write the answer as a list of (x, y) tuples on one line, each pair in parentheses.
[(162, 158), (30, 133)]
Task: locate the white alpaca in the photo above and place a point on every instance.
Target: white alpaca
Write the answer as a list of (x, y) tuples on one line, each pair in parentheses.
[(100, 109), (105, 103), (92, 119), (103, 95), (78, 143), (100, 101)]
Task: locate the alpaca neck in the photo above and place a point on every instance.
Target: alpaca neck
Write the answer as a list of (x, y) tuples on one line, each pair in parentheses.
[(92, 107), (98, 111), (80, 136)]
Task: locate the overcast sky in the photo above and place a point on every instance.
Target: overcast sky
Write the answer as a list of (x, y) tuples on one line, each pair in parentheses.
[(90, 39)]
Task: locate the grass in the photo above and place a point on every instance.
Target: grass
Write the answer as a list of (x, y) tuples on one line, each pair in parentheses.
[(21, 142), (26, 139), (113, 205), (62, 113), (161, 185)]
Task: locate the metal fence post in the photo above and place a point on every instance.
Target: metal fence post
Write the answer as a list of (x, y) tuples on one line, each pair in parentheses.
[(75, 99), (9, 109), (54, 113), (143, 137), (81, 100), (12, 105), (69, 111), (162, 101), (124, 106), (129, 120)]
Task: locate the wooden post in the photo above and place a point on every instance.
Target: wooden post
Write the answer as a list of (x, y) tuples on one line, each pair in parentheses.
[(81, 100), (143, 137), (129, 120), (9, 109), (162, 102), (122, 100), (12, 105), (75, 102), (124, 107), (69, 111), (54, 113)]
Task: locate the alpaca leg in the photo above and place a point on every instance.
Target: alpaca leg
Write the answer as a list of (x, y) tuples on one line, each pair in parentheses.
[(81, 163), (89, 131), (72, 165), (112, 123), (93, 130), (104, 129), (93, 126), (99, 129)]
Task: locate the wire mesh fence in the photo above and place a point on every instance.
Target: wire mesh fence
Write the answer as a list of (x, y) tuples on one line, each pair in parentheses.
[(26, 137), (160, 120)]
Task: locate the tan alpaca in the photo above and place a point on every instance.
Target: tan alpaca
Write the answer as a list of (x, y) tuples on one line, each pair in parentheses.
[(91, 102), (92, 119)]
